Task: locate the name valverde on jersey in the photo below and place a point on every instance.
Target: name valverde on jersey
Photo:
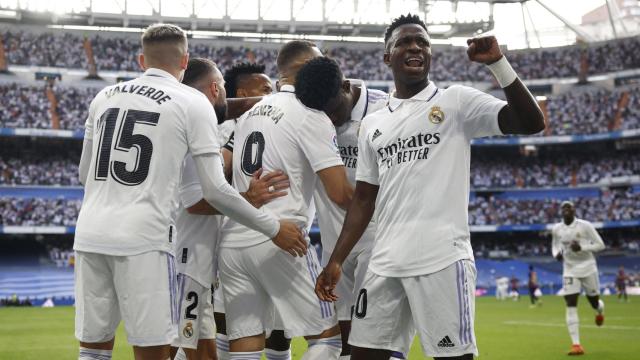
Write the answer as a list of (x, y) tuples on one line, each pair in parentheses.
[(279, 133), (141, 131), (423, 144)]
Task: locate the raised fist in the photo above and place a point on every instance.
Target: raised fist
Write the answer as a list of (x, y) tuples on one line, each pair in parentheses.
[(484, 50)]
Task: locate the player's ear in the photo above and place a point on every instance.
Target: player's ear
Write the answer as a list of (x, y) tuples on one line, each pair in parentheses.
[(214, 89), (184, 61), (278, 85), (141, 62), (387, 58), (346, 86), (240, 93)]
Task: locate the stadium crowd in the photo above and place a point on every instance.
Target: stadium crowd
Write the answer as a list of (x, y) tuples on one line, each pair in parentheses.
[(612, 205), (119, 53), (38, 211), (486, 171), (585, 112), (54, 171), (555, 170)]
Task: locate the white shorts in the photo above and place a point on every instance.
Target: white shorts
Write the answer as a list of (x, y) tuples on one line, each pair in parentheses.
[(441, 306), (263, 282), (354, 270), (196, 313), (141, 290), (590, 284)]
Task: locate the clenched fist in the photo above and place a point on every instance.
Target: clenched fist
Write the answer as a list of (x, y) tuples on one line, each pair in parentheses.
[(484, 50)]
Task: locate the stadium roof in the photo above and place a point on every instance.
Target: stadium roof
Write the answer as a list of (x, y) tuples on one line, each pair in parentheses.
[(526, 23)]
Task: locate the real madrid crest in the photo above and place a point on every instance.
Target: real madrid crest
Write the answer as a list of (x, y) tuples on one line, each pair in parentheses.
[(188, 330), (436, 115)]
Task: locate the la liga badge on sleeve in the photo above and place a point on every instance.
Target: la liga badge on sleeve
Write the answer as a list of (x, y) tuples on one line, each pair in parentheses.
[(436, 115)]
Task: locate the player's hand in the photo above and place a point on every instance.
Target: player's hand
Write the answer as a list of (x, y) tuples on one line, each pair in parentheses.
[(290, 239), (484, 50), (266, 188), (575, 246), (327, 281)]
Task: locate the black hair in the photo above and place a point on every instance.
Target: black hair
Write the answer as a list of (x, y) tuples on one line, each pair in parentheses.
[(403, 20), (197, 68), (232, 76), (291, 50), (318, 81)]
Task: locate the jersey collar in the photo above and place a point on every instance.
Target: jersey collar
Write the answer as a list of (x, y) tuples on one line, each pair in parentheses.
[(159, 73), (360, 109), (288, 88), (425, 95)]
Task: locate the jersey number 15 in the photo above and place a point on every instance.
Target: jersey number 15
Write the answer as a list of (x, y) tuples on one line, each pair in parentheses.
[(125, 141)]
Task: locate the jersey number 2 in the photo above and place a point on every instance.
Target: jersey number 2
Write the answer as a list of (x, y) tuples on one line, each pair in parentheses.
[(252, 153), (125, 141)]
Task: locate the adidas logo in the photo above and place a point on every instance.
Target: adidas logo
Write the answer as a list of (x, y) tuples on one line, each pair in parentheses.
[(446, 342), (376, 134)]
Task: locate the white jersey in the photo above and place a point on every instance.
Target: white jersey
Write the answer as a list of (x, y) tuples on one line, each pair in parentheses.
[(330, 215), (279, 133), (582, 263), (198, 235), (225, 130), (141, 131), (418, 151)]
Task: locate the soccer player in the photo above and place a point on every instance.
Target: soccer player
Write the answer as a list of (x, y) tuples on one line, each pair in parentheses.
[(259, 282), (533, 286), (515, 293), (573, 242), (136, 137), (621, 284), (413, 172), (502, 288), (321, 85), (198, 241), (243, 80)]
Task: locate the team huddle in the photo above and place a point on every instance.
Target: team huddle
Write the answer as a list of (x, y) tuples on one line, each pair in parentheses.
[(194, 230)]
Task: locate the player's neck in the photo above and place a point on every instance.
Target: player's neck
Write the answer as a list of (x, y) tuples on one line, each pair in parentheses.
[(407, 91), (569, 221)]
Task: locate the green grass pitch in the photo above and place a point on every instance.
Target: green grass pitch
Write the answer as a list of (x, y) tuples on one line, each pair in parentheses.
[(505, 330)]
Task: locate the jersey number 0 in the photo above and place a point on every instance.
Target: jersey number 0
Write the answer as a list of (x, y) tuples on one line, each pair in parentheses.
[(125, 140), (252, 153)]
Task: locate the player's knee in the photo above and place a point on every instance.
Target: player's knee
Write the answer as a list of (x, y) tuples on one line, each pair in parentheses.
[(277, 341)]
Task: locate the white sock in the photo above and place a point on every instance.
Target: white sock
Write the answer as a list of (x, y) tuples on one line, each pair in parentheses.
[(324, 349), (222, 345), (180, 355), (573, 323), (247, 355), (94, 354), (345, 357), (600, 307), (277, 355)]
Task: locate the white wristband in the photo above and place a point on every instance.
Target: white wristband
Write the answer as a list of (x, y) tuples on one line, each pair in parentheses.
[(503, 72)]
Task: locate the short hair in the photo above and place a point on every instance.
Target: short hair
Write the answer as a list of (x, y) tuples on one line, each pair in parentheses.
[(197, 69), (291, 50), (566, 202), (163, 34), (231, 76), (318, 81), (402, 20)]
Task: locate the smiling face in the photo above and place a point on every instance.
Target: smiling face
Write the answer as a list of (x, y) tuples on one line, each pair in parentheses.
[(408, 53)]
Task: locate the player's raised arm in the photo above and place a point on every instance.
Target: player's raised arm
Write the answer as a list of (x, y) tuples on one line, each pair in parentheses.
[(521, 115)]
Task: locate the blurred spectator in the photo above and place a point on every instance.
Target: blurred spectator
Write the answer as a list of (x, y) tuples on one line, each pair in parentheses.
[(73, 105), (555, 170), (612, 205), (119, 52), (23, 106), (38, 212), (45, 170)]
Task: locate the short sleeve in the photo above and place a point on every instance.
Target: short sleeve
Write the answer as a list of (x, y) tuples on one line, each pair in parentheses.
[(190, 189), (479, 112), (318, 140), (367, 169), (200, 124)]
